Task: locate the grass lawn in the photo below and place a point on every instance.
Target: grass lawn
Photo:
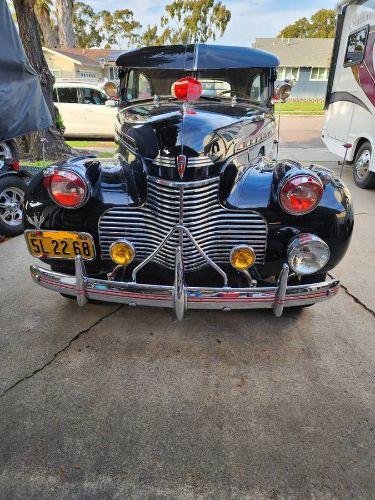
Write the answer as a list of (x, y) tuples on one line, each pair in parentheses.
[(92, 144), (45, 163), (300, 108)]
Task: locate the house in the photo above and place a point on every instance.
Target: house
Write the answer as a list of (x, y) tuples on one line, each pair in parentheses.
[(307, 60), (86, 64)]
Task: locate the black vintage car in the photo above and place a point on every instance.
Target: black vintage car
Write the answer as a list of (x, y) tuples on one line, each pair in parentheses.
[(193, 212)]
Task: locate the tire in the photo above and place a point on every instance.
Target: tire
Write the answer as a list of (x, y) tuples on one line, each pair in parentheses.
[(361, 173), (12, 194)]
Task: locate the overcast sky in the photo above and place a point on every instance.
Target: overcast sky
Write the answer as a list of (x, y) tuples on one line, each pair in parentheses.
[(250, 18)]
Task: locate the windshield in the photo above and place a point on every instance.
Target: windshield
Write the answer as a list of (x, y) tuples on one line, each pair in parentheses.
[(247, 84)]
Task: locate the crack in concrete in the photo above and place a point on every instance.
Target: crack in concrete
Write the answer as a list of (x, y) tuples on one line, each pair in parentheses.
[(363, 213), (60, 351), (356, 300)]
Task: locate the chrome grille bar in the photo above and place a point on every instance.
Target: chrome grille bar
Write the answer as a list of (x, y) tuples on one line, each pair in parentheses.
[(216, 229), (198, 161)]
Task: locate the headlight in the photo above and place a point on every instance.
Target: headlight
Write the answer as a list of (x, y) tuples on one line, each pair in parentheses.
[(307, 254)]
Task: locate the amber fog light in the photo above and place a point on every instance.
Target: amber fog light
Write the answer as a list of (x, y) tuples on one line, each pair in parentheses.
[(122, 252), (242, 257), (307, 254)]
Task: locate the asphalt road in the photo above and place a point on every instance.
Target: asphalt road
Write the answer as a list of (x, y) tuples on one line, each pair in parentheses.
[(114, 402)]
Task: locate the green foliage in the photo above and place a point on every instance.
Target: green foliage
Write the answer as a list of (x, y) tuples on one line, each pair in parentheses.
[(320, 25), (85, 22), (59, 121), (93, 29), (119, 25), (188, 21)]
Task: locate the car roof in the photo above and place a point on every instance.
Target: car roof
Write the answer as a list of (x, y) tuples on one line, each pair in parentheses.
[(76, 84), (193, 57)]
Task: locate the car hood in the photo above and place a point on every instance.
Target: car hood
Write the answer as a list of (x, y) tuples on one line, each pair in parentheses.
[(212, 129)]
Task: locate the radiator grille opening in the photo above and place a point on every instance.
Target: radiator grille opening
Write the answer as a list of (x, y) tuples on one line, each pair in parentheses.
[(216, 229)]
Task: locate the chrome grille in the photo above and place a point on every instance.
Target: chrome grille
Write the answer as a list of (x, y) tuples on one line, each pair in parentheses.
[(197, 161), (216, 229)]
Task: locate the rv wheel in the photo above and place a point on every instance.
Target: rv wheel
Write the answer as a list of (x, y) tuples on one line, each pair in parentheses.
[(361, 173)]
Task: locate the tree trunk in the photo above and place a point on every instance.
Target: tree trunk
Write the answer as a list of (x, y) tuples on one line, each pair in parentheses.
[(50, 35), (55, 146), (64, 13)]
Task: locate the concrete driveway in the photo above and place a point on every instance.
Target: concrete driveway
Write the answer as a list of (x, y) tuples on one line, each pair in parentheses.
[(116, 402)]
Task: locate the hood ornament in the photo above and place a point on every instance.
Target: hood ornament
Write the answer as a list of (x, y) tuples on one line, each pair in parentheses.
[(36, 220), (181, 162)]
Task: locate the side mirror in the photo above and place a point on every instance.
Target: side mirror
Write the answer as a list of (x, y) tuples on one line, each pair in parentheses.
[(283, 91)]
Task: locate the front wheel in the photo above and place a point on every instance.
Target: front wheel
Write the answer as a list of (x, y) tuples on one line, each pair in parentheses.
[(12, 194), (362, 175)]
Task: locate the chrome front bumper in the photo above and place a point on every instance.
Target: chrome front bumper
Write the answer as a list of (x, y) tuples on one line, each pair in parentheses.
[(181, 297)]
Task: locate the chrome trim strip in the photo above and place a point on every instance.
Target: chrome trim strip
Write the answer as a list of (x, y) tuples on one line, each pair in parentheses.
[(191, 184), (196, 162)]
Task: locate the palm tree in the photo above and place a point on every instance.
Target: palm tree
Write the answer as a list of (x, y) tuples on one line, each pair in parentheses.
[(42, 10), (64, 14)]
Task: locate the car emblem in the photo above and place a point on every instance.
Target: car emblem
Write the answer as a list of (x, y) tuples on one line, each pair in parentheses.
[(36, 220), (181, 162)]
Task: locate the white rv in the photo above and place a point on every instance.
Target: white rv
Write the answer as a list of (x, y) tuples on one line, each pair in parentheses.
[(349, 124)]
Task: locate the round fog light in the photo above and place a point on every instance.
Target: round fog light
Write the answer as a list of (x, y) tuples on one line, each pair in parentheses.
[(307, 254), (122, 252), (242, 257)]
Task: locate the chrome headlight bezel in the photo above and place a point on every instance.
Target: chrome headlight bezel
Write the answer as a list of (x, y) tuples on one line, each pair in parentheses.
[(305, 242)]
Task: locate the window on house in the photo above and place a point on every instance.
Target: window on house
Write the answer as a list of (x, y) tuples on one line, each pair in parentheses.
[(113, 73), (56, 73), (319, 74), (87, 74), (355, 49), (288, 73), (67, 94)]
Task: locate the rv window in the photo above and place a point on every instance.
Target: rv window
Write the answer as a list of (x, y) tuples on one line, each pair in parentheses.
[(355, 50)]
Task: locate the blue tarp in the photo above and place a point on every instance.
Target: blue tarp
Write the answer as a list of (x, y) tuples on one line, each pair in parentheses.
[(22, 105)]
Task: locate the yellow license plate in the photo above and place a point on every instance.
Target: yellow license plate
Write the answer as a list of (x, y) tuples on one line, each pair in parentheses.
[(60, 244)]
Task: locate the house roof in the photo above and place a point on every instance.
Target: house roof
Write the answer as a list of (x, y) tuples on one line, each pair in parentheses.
[(84, 56), (301, 52), (89, 56), (114, 54)]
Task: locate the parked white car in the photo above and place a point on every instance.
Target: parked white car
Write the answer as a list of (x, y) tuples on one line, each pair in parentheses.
[(85, 109)]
